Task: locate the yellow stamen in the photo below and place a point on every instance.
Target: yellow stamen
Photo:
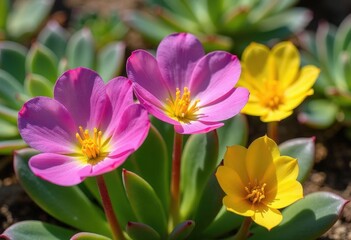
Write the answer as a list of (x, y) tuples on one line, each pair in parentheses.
[(181, 108), (90, 146), (272, 96), (255, 193)]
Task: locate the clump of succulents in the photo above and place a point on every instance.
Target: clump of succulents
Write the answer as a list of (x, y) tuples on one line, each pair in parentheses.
[(25, 73), (222, 24), (330, 50)]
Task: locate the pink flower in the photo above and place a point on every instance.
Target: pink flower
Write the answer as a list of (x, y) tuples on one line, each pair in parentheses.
[(184, 87), (88, 129)]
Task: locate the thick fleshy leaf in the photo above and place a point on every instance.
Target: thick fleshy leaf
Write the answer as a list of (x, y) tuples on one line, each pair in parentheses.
[(4, 10), (68, 204), (317, 212), (145, 203), (12, 59), (8, 146), (151, 158), (199, 161), (7, 130), (88, 236), (8, 114), (182, 230), (318, 113), (26, 16), (140, 231), (80, 49), (110, 60), (29, 230), (9, 91), (37, 85), (54, 37), (42, 61), (303, 149)]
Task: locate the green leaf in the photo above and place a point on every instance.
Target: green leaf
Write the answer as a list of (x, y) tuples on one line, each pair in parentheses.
[(67, 204), (199, 161), (182, 230), (9, 91), (145, 203), (149, 159), (140, 231), (37, 85), (42, 61), (318, 113), (54, 37), (88, 236), (29, 230), (4, 10), (12, 59), (8, 146), (80, 49), (234, 132), (8, 114), (26, 16), (110, 60), (303, 149), (7, 130), (317, 212)]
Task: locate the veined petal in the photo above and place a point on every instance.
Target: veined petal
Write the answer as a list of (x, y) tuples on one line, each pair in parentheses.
[(304, 83), (82, 92), (177, 56), (131, 130), (267, 217), (120, 95), (46, 125), (288, 168), (225, 107), (231, 182), (214, 75), (235, 159), (287, 193), (195, 127), (259, 158), (287, 60), (239, 206), (142, 68), (59, 169), (258, 65)]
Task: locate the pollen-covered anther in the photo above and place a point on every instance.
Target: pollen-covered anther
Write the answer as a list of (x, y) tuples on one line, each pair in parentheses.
[(90, 146), (255, 193)]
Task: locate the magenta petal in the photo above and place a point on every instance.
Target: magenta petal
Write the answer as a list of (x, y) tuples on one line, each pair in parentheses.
[(197, 127), (120, 94), (214, 75), (227, 106), (46, 125), (111, 163), (177, 56), (142, 69), (82, 92), (59, 169)]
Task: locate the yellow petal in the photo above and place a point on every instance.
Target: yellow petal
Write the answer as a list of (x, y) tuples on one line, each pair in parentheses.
[(287, 60), (276, 115), (235, 158), (288, 168), (260, 157), (255, 109), (230, 182), (267, 217), (304, 82), (239, 206), (256, 59), (287, 193)]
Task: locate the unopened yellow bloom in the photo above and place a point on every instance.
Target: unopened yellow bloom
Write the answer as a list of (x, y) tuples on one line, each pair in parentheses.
[(258, 181), (276, 83)]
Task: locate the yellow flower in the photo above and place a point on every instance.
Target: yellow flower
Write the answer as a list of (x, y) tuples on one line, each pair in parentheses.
[(276, 83), (258, 181)]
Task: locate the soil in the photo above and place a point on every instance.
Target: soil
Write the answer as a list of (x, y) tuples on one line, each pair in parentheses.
[(332, 170)]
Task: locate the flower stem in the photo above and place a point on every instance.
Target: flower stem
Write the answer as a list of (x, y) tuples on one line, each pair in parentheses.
[(243, 232), (111, 217), (175, 181), (272, 131)]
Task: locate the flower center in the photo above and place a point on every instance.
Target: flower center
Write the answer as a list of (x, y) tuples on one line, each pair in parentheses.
[(255, 193), (272, 97), (181, 108), (90, 146)]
